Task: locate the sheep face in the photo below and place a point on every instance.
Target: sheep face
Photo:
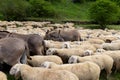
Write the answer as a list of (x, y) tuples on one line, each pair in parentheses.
[(46, 64), (78, 43), (15, 70), (50, 51), (88, 53), (66, 45), (73, 59), (100, 50)]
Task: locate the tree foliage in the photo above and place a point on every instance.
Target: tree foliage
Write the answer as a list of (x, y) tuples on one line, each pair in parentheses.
[(117, 2), (20, 9), (104, 12), (41, 8), (53, 1), (81, 1), (13, 9)]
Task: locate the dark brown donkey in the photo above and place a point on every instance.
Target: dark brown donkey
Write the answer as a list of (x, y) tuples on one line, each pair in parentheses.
[(35, 41), (13, 50)]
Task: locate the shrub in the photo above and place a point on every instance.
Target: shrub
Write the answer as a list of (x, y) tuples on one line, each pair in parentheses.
[(41, 8), (117, 2), (13, 9), (81, 1), (52, 1), (104, 12), (78, 1)]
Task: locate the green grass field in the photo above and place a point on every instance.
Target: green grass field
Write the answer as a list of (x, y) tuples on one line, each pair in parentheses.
[(69, 11), (95, 26)]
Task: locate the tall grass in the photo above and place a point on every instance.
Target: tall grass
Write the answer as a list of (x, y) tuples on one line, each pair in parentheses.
[(73, 11)]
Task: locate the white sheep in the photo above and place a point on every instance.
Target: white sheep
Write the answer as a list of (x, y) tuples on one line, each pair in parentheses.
[(100, 50), (51, 44), (65, 53), (116, 41), (97, 46), (88, 53), (56, 44), (95, 41), (116, 57), (111, 46), (37, 73), (82, 46), (66, 45), (103, 61), (3, 76), (37, 60), (84, 71)]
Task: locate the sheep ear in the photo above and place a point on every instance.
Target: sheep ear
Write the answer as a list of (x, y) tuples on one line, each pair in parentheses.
[(48, 65), (98, 35), (17, 75), (55, 52), (108, 41), (47, 31), (78, 61)]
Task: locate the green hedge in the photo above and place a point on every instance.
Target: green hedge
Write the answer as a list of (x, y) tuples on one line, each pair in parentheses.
[(104, 12)]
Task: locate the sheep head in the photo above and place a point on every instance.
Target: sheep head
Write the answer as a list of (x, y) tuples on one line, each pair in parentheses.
[(50, 51), (15, 70), (88, 53), (66, 45), (46, 64), (100, 50), (73, 59)]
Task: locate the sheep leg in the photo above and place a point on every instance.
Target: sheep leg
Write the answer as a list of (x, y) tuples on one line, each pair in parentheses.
[(108, 73), (1, 67), (116, 68)]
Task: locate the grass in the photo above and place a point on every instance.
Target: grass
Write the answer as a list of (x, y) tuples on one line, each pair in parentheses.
[(116, 27), (77, 11), (96, 26), (73, 11), (69, 11)]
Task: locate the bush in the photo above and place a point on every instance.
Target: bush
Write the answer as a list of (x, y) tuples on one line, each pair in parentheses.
[(78, 1), (117, 2), (52, 1), (13, 9), (41, 8), (104, 12), (81, 1)]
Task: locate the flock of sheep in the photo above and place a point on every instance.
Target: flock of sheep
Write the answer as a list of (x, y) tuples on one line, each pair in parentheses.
[(82, 59)]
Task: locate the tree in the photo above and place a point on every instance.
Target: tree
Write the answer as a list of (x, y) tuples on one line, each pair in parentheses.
[(41, 8), (13, 9), (104, 12), (78, 1), (117, 2)]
